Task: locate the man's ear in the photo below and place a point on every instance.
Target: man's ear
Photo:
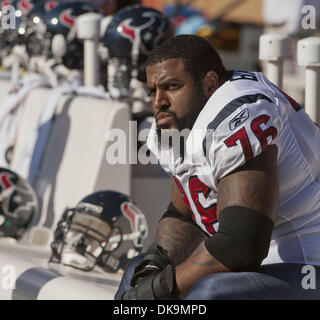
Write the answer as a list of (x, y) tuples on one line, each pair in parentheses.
[(210, 82)]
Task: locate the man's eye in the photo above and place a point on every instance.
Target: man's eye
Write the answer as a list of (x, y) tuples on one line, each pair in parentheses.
[(173, 86)]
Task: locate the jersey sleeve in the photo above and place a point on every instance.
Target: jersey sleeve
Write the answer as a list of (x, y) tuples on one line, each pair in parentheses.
[(240, 132)]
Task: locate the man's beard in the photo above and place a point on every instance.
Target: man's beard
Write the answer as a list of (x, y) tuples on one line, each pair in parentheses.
[(187, 121), (176, 139)]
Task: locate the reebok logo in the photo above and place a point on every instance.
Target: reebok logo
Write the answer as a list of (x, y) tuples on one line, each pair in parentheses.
[(239, 119)]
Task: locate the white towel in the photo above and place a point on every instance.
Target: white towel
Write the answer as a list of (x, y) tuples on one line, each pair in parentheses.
[(96, 92), (31, 157), (9, 115)]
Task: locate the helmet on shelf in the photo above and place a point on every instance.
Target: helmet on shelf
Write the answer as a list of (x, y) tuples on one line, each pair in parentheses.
[(18, 204), (38, 41), (106, 229), (130, 37), (52, 20)]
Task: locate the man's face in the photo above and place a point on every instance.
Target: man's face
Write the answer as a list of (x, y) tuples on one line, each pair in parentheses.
[(176, 97)]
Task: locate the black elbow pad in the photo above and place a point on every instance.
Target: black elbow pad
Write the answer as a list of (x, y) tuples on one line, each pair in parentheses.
[(242, 240)]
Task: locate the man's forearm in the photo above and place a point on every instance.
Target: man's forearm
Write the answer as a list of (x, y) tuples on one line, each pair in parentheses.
[(184, 243), (199, 264), (179, 238)]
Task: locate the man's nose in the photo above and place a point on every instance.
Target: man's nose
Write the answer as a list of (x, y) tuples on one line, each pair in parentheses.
[(161, 100)]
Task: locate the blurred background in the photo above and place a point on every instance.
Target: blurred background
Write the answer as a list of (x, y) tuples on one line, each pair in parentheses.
[(234, 28)]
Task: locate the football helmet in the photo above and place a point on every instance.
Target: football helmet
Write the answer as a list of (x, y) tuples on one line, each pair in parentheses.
[(52, 18), (18, 204), (38, 41), (130, 37), (22, 9), (105, 230), (9, 37), (60, 21)]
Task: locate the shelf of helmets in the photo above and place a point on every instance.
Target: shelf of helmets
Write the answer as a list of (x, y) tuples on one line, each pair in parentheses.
[(73, 165)]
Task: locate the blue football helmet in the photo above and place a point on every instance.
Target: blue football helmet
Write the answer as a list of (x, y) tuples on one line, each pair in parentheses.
[(13, 34), (130, 37), (18, 204), (53, 18), (38, 40), (105, 230)]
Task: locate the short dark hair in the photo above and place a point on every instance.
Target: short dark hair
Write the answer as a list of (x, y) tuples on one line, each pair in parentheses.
[(197, 54)]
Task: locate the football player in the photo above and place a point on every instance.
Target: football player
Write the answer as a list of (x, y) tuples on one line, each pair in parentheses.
[(245, 189)]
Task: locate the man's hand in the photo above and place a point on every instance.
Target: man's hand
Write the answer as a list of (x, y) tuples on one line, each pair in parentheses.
[(154, 261), (160, 285)]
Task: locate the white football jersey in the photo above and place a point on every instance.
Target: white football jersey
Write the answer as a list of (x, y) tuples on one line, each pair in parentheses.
[(245, 115)]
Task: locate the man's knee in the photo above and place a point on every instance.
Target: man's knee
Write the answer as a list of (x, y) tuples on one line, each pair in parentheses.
[(127, 275), (238, 286), (211, 287)]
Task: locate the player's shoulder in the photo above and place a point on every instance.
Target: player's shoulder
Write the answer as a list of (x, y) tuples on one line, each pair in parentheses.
[(241, 80), (242, 89)]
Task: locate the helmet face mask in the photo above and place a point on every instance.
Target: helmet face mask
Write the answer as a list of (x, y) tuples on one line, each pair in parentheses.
[(119, 73), (38, 39), (39, 44), (18, 35), (50, 18), (90, 236), (10, 37)]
